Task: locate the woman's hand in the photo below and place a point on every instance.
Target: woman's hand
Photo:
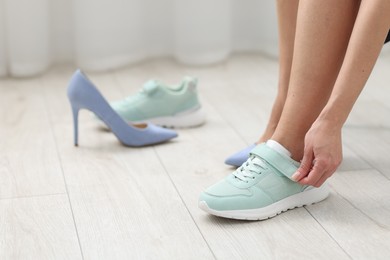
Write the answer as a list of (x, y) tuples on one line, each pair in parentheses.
[(322, 154)]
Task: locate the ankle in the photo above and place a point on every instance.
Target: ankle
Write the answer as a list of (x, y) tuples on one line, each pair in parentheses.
[(268, 133)]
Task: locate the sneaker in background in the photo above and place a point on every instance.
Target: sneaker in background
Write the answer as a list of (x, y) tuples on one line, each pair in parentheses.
[(169, 106)]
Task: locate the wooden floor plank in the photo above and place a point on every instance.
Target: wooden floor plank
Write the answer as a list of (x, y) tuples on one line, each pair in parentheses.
[(357, 214), (368, 191), (372, 145), (37, 228), (29, 164)]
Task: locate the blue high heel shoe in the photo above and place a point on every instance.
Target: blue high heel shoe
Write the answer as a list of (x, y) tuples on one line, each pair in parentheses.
[(83, 94)]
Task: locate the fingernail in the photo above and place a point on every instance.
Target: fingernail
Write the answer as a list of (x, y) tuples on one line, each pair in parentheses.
[(295, 176)]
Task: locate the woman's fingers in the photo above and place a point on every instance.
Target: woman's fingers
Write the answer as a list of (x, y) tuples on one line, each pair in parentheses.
[(319, 169), (323, 168), (306, 165)]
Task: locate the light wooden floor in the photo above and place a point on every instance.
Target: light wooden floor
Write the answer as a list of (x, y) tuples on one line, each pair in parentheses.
[(105, 201)]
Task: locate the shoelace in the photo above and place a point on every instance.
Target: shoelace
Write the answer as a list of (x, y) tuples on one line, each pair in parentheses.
[(254, 165)]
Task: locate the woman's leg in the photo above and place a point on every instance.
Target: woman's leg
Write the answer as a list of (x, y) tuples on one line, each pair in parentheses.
[(322, 34), (287, 16), (323, 140), (260, 188)]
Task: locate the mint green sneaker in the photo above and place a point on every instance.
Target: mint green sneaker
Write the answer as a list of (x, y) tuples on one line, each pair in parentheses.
[(259, 189), (169, 106)]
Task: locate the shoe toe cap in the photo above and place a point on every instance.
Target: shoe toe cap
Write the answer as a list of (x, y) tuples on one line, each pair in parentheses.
[(224, 188), (225, 196)]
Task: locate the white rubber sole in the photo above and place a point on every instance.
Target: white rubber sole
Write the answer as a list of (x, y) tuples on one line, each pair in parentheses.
[(190, 118), (309, 196)]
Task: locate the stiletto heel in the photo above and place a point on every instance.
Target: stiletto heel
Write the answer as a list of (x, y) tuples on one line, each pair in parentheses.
[(75, 112), (83, 94)]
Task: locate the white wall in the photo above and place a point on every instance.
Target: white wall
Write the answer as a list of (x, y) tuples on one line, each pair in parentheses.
[(3, 55), (253, 27), (106, 34)]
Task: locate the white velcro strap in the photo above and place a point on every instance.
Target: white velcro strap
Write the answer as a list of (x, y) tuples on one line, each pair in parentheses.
[(283, 164)]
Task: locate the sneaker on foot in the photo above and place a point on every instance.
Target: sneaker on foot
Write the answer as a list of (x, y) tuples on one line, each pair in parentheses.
[(259, 189), (238, 158), (169, 106)]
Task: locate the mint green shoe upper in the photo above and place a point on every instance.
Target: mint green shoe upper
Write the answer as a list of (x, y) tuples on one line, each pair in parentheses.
[(158, 100), (263, 179)]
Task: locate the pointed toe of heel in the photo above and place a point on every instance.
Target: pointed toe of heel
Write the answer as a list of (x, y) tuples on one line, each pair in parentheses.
[(163, 134), (238, 158)]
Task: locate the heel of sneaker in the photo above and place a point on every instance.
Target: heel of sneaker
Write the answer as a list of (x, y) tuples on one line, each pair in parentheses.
[(311, 195)]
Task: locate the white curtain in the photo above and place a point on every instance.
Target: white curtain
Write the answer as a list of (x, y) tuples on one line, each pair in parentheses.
[(106, 34)]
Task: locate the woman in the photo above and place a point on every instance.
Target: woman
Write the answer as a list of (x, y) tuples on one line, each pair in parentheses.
[(327, 52)]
